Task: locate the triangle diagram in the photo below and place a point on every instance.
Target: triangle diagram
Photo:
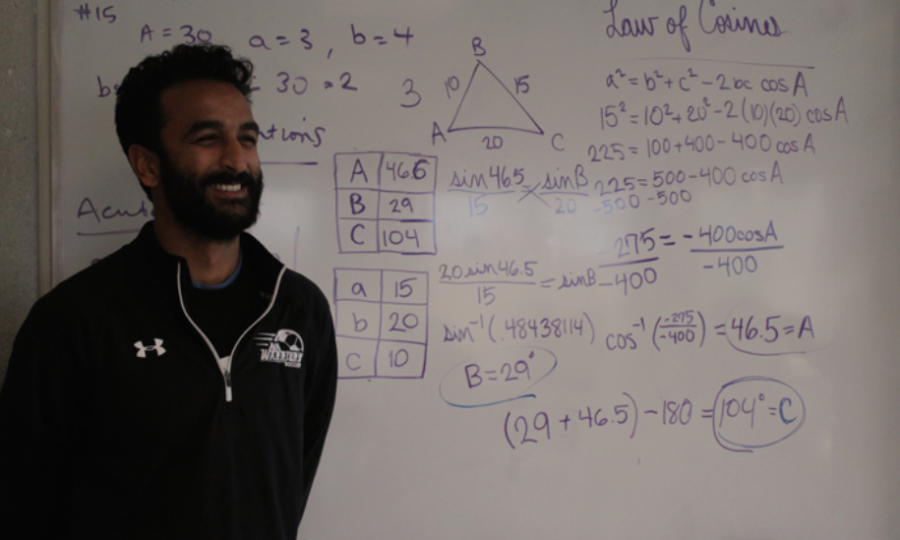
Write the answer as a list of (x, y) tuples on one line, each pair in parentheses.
[(488, 104)]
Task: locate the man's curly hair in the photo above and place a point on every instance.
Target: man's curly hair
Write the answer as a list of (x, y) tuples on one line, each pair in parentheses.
[(138, 115)]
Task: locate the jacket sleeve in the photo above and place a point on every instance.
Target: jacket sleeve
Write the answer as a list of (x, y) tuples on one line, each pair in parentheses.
[(321, 389), (37, 428)]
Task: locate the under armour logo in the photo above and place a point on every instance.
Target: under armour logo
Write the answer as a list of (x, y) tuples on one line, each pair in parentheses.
[(142, 350)]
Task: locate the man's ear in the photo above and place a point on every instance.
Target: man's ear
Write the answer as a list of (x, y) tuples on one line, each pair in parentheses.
[(145, 164)]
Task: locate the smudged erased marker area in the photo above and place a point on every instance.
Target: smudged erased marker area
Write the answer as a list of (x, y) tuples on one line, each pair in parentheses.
[(496, 377)]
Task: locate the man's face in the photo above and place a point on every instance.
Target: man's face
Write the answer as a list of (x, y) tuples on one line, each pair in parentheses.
[(209, 167)]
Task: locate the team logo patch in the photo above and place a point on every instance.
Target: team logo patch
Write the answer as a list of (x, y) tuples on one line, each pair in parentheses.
[(284, 347), (143, 350)]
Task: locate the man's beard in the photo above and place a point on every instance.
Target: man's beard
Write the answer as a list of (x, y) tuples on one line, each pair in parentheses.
[(187, 199)]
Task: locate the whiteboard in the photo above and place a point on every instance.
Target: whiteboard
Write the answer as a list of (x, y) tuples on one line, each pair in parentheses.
[(609, 269)]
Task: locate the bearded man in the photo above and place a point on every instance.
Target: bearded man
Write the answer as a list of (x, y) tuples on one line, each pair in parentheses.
[(183, 386)]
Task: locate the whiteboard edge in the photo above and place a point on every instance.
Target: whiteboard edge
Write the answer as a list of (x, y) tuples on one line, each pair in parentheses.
[(45, 225)]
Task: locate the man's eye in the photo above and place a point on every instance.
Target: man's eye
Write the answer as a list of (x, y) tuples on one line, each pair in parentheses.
[(205, 138)]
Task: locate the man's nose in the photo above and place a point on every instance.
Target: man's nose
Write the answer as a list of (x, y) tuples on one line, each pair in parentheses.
[(234, 156)]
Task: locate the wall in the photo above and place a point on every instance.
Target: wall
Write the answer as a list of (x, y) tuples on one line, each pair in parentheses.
[(18, 169)]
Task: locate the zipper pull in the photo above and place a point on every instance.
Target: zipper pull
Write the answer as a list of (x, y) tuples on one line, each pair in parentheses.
[(227, 386)]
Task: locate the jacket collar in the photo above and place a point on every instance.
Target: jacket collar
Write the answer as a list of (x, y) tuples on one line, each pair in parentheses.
[(264, 267)]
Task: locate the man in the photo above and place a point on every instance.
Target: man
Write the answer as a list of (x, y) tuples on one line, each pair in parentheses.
[(183, 386)]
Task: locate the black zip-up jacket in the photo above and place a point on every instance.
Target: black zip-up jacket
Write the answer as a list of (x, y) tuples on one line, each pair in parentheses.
[(116, 420)]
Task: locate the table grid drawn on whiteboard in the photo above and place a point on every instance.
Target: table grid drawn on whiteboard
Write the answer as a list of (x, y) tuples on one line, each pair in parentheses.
[(613, 269)]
